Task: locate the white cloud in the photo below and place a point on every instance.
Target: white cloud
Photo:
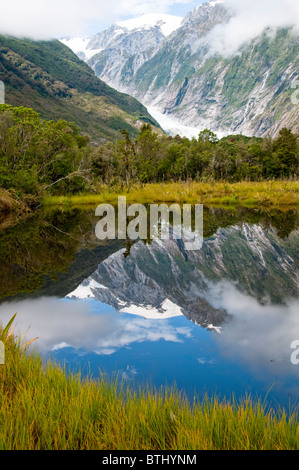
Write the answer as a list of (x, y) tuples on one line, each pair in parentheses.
[(250, 19), (65, 323), (44, 19), (256, 334)]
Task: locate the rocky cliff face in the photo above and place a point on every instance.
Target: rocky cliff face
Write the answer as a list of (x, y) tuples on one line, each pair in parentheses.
[(124, 53), (118, 52), (182, 77)]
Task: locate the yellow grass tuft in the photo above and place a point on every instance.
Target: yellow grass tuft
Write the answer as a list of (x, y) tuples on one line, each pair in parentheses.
[(267, 194)]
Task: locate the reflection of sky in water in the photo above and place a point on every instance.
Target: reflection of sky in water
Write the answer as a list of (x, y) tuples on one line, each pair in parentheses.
[(251, 355)]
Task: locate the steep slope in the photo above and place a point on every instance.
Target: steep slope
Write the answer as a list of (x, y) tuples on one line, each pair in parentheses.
[(50, 78), (249, 92), (118, 52), (181, 77)]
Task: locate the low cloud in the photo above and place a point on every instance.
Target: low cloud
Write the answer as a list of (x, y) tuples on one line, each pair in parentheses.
[(40, 19), (249, 19)]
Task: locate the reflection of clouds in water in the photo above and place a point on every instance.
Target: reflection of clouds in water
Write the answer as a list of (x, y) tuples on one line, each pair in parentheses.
[(255, 332), (202, 361), (129, 373), (61, 323)]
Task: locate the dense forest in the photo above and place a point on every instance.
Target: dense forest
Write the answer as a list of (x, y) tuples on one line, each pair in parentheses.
[(154, 158), (40, 157)]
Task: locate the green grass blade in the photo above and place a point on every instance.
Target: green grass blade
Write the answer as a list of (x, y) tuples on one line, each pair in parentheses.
[(5, 332)]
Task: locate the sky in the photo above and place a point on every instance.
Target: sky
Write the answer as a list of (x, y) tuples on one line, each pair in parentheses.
[(45, 19)]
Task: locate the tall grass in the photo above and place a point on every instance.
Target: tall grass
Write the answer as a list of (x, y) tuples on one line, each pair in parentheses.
[(266, 193), (44, 408)]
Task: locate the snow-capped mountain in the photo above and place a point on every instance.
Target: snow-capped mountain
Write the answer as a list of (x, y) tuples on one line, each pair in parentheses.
[(171, 66), (141, 36), (167, 24)]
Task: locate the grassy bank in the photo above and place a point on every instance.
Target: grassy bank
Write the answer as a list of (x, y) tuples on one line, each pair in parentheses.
[(269, 194), (42, 408)]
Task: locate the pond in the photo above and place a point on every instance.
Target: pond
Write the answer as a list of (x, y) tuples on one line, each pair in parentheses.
[(219, 321)]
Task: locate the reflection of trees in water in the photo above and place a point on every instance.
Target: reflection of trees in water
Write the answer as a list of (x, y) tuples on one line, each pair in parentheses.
[(38, 252), (54, 251), (284, 222)]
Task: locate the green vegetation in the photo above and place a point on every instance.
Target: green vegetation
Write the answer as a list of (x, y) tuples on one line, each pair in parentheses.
[(50, 252), (48, 77), (152, 158), (36, 155), (40, 159), (85, 160)]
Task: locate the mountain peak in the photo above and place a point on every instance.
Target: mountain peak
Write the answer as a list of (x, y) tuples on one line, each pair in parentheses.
[(167, 23)]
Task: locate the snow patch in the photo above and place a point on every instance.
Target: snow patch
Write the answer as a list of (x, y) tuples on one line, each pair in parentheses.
[(85, 291), (171, 126), (76, 44), (217, 2), (89, 53), (167, 23), (168, 310), (80, 46), (218, 329)]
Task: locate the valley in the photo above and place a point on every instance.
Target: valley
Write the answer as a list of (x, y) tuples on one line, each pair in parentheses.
[(182, 78)]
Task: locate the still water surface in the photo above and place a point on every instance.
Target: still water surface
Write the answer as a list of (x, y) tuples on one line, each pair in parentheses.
[(219, 321)]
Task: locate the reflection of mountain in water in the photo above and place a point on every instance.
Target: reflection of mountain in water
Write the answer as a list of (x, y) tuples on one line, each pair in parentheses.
[(164, 279)]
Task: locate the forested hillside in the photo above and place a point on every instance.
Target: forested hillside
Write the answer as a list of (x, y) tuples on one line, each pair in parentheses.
[(48, 77)]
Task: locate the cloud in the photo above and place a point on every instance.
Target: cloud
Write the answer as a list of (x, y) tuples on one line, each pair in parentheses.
[(65, 323), (257, 334), (250, 18), (43, 19)]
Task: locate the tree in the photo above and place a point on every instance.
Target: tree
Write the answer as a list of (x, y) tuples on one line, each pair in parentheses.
[(37, 154), (148, 149), (126, 151), (286, 149), (208, 136)]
